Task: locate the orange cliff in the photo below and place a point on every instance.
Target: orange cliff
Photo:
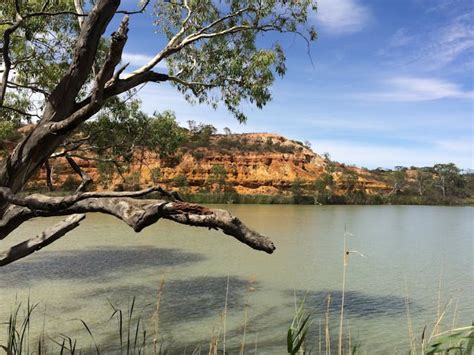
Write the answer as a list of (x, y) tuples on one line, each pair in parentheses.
[(254, 163)]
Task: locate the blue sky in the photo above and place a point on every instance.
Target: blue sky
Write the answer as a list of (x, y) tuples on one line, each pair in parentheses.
[(392, 83)]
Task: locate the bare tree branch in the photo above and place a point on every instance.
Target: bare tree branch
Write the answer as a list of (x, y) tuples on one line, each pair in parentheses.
[(169, 48), (47, 237), (43, 202), (49, 175), (23, 113), (138, 214), (15, 85), (79, 10), (86, 180), (7, 63)]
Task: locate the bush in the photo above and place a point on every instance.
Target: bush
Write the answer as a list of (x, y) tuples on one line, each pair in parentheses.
[(156, 175), (198, 155), (180, 181), (8, 131), (132, 181), (70, 184)]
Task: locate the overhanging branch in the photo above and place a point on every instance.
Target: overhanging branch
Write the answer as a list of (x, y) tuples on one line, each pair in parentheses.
[(137, 213), (47, 237)]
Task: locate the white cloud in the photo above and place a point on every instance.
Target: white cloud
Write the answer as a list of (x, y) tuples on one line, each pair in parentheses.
[(379, 155), (433, 47), (413, 89), (342, 16), (139, 59)]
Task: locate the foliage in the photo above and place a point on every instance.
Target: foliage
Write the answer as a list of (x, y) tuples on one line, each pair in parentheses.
[(165, 135), (456, 341), (324, 186), (8, 131), (106, 171), (132, 181), (448, 179), (298, 330), (240, 71), (440, 184), (41, 52), (17, 333), (180, 181), (69, 184), (199, 134), (122, 127), (156, 175), (218, 177), (233, 197)]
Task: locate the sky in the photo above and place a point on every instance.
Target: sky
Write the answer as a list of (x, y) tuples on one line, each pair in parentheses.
[(388, 83)]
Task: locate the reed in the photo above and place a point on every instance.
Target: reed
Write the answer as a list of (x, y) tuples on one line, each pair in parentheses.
[(298, 330), (225, 315), (327, 333), (131, 337), (345, 263), (156, 316)]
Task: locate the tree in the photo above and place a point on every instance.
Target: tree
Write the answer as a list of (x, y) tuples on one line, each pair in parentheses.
[(398, 179), (324, 186), (448, 179), (349, 180), (57, 51), (218, 177), (423, 179)]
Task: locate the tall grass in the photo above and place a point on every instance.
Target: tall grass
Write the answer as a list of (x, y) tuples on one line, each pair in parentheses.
[(130, 336)]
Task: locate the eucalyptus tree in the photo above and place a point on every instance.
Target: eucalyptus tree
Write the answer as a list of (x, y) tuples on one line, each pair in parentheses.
[(448, 179), (59, 71)]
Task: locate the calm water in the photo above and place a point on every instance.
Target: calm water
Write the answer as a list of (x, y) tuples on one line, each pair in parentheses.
[(408, 250)]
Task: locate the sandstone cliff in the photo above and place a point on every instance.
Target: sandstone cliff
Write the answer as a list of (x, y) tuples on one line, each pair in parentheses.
[(251, 163)]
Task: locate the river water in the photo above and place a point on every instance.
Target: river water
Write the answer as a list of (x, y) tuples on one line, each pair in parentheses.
[(413, 255)]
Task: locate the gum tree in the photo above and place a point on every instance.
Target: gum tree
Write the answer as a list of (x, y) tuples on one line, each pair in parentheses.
[(59, 71)]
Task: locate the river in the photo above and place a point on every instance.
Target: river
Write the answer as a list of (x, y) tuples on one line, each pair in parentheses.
[(412, 254)]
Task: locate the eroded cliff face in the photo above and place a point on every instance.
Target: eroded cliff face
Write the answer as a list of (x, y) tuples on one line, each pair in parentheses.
[(252, 163)]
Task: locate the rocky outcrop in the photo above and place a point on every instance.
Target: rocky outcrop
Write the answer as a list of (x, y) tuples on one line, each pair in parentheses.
[(253, 163)]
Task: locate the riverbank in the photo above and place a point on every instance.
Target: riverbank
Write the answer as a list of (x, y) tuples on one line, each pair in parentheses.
[(234, 198), (289, 199)]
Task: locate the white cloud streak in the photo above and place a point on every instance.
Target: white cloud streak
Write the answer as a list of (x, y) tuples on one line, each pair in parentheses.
[(379, 155), (414, 89), (342, 16), (432, 48)]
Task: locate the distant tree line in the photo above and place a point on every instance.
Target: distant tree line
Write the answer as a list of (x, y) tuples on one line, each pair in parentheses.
[(439, 184)]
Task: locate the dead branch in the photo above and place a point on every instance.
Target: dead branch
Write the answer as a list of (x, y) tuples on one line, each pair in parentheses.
[(137, 213), (47, 237)]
